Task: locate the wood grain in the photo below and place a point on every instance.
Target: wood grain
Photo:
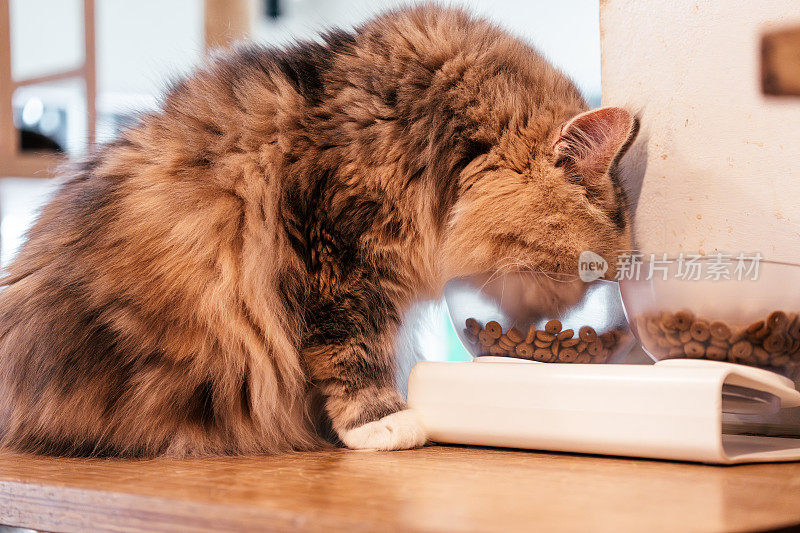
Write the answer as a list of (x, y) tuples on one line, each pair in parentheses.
[(433, 489)]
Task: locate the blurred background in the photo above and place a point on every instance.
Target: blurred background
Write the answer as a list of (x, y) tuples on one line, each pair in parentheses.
[(73, 72)]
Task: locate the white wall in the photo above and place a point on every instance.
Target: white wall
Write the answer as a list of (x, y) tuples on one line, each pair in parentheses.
[(20, 202), (720, 168), (46, 35), (140, 44), (567, 31)]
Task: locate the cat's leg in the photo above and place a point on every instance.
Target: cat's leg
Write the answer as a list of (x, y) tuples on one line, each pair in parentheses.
[(397, 431), (375, 418), (356, 377)]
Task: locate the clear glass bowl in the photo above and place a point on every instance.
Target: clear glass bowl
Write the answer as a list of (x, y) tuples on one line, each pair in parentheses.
[(529, 315), (743, 320)]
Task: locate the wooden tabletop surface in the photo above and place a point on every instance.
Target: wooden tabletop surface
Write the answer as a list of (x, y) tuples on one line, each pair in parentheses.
[(437, 488)]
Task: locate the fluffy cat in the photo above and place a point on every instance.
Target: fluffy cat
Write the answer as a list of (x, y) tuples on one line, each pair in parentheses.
[(228, 277)]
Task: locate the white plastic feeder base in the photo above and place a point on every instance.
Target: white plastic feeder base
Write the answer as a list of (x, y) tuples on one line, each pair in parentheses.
[(670, 410)]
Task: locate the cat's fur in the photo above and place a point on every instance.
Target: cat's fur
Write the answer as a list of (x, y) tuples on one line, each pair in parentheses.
[(228, 277)]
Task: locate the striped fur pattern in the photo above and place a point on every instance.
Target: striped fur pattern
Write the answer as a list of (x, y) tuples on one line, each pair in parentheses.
[(228, 277)]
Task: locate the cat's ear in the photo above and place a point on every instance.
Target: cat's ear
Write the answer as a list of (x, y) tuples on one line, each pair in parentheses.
[(595, 140)]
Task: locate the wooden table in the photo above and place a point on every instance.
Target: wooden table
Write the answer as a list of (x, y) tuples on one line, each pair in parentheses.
[(432, 489)]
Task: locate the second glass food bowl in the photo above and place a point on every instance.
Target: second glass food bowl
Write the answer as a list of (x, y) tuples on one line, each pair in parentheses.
[(747, 319), (539, 316)]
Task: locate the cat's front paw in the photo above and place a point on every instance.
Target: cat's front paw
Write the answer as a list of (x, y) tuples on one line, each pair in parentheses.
[(398, 431)]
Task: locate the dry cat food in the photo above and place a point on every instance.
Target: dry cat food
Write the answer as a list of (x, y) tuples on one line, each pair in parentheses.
[(550, 345), (772, 342)]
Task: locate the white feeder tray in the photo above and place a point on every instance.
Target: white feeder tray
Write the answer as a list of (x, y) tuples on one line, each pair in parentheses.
[(678, 409)]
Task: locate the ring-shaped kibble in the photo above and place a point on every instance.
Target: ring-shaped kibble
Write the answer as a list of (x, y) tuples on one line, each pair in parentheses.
[(566, 334), (652, 327), (515, 335), (524, 350), (497, 350), (609, 339), (587, 334), (700, 330), (774, 343), (473, 326), (761, 355), (568, 355), (494, 328), (542, 344), (716, 353), (755, 326), (553, 326), (795, 346), (583, 358), (777, 320), (555, 347), (791, 344), (595, 348), (506, 343), (673, 339), (684, 319), (667, 320), (737, 335), (545, 336), (694, 349), (484, 337), (794, 328), (761, 333), (531, 334), (741, 350), (542, 354), (685, 336), (720, 343), (720, 330), (675, 352), (570, 343), (508, 348), (665, 328)]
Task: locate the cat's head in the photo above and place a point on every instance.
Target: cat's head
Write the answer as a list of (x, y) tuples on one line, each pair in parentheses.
[(538, 205)]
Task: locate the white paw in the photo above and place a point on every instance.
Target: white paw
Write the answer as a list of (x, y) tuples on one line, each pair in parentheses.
[(397, 431)]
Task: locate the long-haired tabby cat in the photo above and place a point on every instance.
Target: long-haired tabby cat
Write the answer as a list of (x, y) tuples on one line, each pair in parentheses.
[(229, 275)]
